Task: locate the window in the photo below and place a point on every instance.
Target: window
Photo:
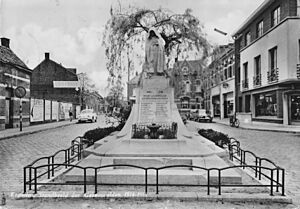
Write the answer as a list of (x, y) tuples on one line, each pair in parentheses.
[(185, 70), (230, 72), (187, 86), (273, 59), (266, 104), (259, 29), (247, 38), (225, 74), (257, 65), (245, 66), (298, 7), (275, 16), (299, 51)]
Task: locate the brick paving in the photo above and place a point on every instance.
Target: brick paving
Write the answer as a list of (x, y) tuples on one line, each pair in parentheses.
[(19, 151), (281, 148)]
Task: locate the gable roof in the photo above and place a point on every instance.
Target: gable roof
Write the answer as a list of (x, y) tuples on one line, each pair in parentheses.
[(193, 64), (8, 56)]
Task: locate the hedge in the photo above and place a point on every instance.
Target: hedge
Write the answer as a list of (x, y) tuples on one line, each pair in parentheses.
[(219, 138), (94, 135)]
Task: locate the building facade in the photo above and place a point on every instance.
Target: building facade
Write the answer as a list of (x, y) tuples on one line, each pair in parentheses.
[(269, 63), (219, 82), (13, 73), (48, 97), (188, 85)]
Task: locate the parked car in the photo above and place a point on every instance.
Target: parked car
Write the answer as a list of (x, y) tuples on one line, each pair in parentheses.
[(203, 116), (87, 115)]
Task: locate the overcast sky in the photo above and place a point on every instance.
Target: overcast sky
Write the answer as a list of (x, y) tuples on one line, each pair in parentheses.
[(71, 30)]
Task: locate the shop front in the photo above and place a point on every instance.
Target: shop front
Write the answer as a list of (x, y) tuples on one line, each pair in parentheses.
[(216, 106), (266, 104), (228, 104), (295, 108)]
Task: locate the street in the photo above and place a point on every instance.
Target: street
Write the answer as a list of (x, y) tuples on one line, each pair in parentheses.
[(17, 152), (281, 148), (20, 151)]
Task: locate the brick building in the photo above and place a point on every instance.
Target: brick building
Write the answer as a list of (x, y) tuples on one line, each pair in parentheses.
[(13, 73), (268, 63), (188, 89), (42, 86)]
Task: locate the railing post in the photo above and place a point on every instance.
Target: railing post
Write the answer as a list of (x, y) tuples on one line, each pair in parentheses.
[(271, 182), (256, 167), (66, 158), (241, 157), (35, 181), (259, 169), (208, 182), (277, 177), (219, 181), (244, 159), (282, 183), (48, 168), (95, 180), (78, 152), (52, 165), (24, 178), (30, 175), (156, 181), (146, 181), (84, 180), (72, 147)]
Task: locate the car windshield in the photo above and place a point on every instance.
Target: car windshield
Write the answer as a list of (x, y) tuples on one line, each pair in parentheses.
[(86, 111)]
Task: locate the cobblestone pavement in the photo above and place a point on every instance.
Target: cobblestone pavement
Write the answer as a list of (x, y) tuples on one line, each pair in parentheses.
[(282, 148), (17, 152)]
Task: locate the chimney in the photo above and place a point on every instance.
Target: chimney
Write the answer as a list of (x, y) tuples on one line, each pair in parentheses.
[(5, 42), (47, 55)]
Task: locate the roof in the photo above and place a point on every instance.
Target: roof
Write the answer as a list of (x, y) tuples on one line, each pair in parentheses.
[(193, 64), (253, 16), (8, 56)]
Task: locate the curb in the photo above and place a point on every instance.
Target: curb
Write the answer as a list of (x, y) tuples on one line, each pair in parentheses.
[(140, 196), (34, 131), (258, 129)]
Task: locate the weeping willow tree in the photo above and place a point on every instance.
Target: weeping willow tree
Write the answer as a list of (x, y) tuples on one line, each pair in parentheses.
[(125, 34)]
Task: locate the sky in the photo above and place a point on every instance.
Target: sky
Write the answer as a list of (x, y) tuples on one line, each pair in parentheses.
[(71, 30)]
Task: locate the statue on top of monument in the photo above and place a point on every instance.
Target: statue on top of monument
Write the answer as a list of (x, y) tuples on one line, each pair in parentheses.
[(155, 54)]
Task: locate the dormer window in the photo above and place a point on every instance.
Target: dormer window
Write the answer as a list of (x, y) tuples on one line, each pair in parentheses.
[(247, 38), (259, 29), (275, 17)]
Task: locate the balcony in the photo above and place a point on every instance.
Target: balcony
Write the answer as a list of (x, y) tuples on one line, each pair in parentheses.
[(273, 76), (257, 80), (245, 84), (298, 71), (198, 89)]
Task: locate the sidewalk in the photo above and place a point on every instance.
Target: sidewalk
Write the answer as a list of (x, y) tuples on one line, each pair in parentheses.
[(14, 132), (262, 126)]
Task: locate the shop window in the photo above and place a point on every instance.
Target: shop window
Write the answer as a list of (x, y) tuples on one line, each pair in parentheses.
[(275, 17), (295, 107), (266, 104)]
